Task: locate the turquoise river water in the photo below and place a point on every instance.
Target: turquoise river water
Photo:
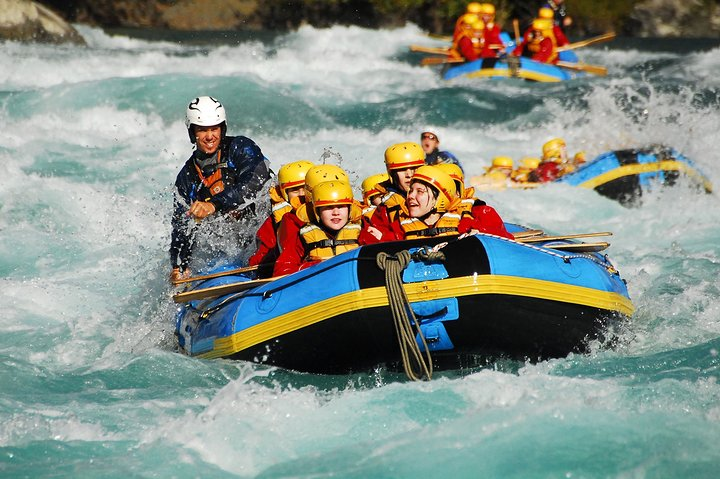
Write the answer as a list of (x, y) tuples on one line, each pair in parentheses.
[(91, 386)]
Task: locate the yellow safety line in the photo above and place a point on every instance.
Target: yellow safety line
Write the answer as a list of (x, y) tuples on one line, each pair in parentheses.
[(424, 291), (526, 74)]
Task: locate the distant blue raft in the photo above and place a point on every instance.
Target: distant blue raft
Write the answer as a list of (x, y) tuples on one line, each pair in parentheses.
[(517, 67), (623, 175), (487, 297)]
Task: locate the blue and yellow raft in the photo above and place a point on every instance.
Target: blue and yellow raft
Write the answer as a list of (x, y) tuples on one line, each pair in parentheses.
[(623, 175), (488, 297), (518, 67)]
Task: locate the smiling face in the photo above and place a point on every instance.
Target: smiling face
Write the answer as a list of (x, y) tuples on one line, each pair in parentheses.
[(208, 138), (420, 200), (334, 217)]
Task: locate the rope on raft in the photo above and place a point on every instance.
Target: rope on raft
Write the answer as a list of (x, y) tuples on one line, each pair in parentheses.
[(417, 367)]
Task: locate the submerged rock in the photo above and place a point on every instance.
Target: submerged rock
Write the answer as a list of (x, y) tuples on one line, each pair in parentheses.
[(25, 20)]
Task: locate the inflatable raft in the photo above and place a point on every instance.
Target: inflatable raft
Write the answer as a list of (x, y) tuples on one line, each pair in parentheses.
[(624, 175), (485, 297), (518, 67)]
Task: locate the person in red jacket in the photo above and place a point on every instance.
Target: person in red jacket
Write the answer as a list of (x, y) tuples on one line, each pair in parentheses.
[(434, 209), (327, 225), (549, 14), (285, 197), (552, 164), (539, 42), (492, 44), (467, 44)]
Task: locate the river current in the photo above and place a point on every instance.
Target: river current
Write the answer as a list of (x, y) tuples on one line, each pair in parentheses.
[(90, 383)]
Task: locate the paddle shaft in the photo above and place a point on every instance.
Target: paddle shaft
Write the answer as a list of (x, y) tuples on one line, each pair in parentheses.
[(231, 272), (440, 61), (537, 239), (580, 247), (605, 37), (527, 233), (221, 290)]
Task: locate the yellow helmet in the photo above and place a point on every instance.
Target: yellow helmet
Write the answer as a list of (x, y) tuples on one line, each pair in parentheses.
[(547, 13), (469, 18), (456, 173), (402, 156), (542, 24), (292, 175), (478, 26), (474, 7), (552, 150), (369, 185), (502, 162), (321, 173), (487, 9), (530, 163), (440, 182), (332, 193)]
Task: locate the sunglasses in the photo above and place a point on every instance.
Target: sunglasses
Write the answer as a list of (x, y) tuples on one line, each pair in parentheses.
[(428, 136)]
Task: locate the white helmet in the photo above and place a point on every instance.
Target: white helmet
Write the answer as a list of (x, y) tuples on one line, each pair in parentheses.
[(205, 111)]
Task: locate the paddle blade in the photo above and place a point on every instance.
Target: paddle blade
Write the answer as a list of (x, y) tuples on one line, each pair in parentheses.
[(584, 67)]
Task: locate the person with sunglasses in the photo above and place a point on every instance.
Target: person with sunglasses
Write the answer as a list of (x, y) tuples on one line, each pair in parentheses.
[(431, 146)]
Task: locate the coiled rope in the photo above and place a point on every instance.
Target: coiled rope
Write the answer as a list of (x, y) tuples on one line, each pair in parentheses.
[(416, 365)]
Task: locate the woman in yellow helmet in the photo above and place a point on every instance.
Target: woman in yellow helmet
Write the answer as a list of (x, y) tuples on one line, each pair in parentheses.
[(549, 14), (434, 209), (492, 44), (468, 41), (330, 224), (496, 176), (539, 42), (554, 162), (401, 161), (285, 197), (372, 195), (525, 167), (560, 16)]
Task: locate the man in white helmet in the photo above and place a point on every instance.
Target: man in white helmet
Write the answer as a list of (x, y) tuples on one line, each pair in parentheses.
[(221, 176)]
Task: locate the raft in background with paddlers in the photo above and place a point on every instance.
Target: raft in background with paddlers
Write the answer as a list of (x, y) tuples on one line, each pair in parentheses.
[(621, 175), (567, 67)]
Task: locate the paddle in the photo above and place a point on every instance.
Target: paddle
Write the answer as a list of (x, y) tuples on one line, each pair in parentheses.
[(584, 67), (440, 61), (516, 28), (434, 50), (443, 50), (527, 234), (590, 41), (217, 275), (221, 290), (580, 247), (537, 239)]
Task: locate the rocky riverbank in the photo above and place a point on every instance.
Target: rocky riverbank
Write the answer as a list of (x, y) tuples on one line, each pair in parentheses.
[(49, 20)]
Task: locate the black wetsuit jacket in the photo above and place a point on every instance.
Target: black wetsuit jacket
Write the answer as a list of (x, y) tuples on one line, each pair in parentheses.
[(244, 171)]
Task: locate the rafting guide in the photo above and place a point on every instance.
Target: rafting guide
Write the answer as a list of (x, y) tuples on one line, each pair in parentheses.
[(222, 176)]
